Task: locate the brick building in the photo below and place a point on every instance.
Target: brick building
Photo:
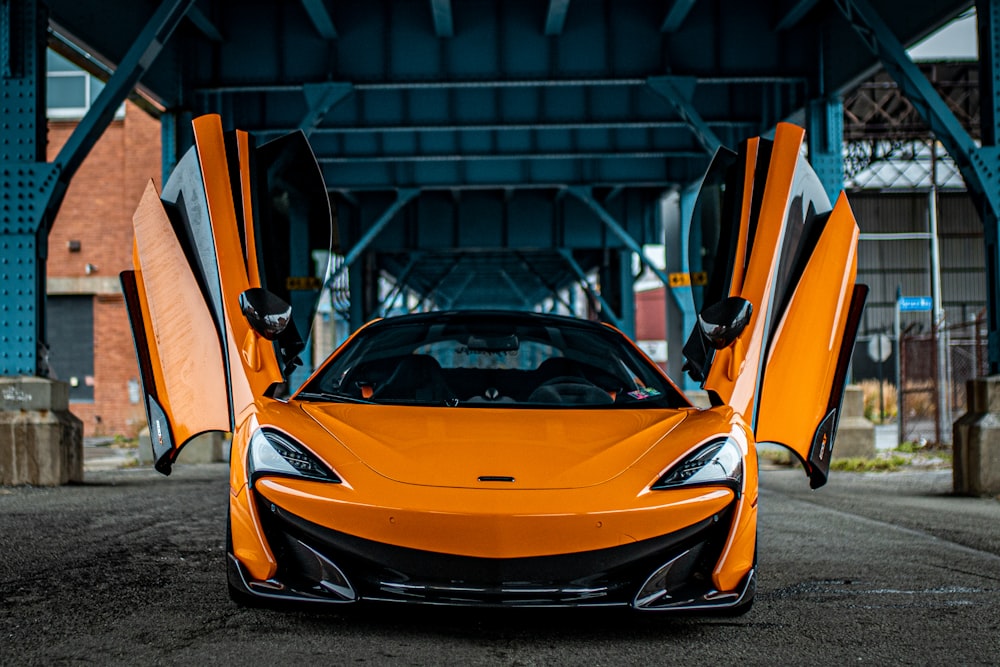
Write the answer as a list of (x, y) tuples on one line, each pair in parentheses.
[(90, 243)]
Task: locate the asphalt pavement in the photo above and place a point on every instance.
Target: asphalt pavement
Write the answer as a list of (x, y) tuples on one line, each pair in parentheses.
[(128, 569)]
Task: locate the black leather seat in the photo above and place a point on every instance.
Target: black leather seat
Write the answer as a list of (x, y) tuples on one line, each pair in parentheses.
[(418, 377)]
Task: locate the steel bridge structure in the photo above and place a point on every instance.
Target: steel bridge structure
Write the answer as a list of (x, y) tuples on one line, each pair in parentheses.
[(480, 152)]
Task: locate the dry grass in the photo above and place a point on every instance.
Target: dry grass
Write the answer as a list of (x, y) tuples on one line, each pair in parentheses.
[(889, 399)]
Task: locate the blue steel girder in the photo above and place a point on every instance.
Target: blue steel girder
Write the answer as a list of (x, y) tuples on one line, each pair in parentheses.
[(320, 18), (140, 56), (26, 185), (988, 14), (204, 24), (606, 311), (980, 172), (794, 12), (677, 210), (586, 196), (320, 98), (555, 18), (825, 134), (677, 12), (679, 91), (980, 166), (444, 24), (402, 198)]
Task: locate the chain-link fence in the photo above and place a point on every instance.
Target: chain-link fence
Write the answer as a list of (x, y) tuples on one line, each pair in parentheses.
[(922, 379)]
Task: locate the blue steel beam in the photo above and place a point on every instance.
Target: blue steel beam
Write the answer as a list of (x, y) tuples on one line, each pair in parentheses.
[(389, 302), (555, 18), (794, 13), (679, 91), (320, 98), (203, 24), (825, 134), (606, 309), (402, 198), (26, 185), (980, 167), (676, 211), (988, 15), (140, 56), (544, 281), (444, 25), (586, 196), (513, 286), (320, 18), (676, 14)]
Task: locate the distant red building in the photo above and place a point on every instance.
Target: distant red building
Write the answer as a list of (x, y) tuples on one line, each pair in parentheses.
[(90, 243)]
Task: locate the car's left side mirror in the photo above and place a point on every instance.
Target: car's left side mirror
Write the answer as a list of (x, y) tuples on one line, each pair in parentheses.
[(267, 313), (723, 322)]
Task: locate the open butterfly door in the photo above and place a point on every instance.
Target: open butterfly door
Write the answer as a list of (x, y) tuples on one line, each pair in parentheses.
[(197, 250), (779, 306)]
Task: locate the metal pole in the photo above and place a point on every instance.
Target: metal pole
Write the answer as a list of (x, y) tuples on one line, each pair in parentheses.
[(943, 393), (899, 378)]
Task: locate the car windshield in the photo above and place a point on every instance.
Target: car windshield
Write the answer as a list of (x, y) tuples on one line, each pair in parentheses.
[(491, 360)]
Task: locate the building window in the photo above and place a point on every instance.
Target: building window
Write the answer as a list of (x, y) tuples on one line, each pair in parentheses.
[(70, 91)]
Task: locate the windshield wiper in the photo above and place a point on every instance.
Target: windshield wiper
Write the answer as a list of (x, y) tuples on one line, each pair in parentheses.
[(328, 396)]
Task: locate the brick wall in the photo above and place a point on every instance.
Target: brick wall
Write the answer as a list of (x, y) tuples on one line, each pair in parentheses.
[(97, 212)]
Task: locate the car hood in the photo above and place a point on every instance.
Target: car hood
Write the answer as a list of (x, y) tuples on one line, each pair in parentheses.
[(462, 447)]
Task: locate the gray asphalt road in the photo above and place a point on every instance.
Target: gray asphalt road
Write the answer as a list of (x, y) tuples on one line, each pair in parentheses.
[(128, 569)]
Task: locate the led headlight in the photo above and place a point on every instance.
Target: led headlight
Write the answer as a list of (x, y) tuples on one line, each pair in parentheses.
[(718, 462), (276, 454)]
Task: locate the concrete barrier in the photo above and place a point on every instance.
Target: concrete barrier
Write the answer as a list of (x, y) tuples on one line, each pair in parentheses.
[(206, 448), (41, 442), (976, 443), (855, 434)]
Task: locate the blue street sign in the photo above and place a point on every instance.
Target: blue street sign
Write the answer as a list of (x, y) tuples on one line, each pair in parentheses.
[(914, 304)]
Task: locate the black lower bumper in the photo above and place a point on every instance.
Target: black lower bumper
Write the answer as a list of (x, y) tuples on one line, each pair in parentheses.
[(667, 572)]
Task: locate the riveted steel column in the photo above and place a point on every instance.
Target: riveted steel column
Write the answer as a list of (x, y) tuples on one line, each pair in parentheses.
[(825, 134), (676, 210), (26, 184), (988, 16)]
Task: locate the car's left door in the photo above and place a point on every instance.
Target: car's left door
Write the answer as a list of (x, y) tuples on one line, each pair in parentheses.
[(199, 246)]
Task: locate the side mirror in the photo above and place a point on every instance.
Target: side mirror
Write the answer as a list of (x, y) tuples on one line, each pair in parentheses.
[(723, 322), (267, 314)]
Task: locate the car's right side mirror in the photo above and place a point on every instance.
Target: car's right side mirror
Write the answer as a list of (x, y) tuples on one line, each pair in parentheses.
[(267, 314), (723, 322)]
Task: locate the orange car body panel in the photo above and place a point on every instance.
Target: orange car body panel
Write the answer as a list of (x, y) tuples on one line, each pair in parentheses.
[(187, 363), (808, 339), (739, 389), (252, 372), (521, 520)]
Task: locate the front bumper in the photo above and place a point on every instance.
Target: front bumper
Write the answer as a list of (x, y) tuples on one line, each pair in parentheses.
[(317, 564)]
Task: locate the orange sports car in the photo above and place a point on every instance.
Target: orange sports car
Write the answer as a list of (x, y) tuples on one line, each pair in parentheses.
[(488, 457)]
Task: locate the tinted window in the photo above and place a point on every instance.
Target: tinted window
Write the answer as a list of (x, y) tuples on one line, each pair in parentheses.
[(504, 360)]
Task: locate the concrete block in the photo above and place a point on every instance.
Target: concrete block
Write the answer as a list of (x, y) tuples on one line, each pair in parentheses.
[(145, 449), (976, 440), (205, 448), (25, 393), (855, 434), (41, 442), (699, 398)]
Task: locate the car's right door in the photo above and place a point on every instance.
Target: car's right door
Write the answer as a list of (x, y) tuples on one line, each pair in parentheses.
[(764, 232)]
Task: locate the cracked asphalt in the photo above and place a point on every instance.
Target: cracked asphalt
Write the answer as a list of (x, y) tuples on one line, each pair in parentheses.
[(128, 569)]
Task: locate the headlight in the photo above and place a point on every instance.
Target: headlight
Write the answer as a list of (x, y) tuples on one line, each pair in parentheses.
[(718, 462), (274, 453)]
